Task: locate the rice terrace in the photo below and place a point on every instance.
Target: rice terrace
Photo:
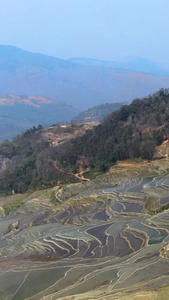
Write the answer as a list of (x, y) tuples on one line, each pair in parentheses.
[(84, 150), (101, 239)]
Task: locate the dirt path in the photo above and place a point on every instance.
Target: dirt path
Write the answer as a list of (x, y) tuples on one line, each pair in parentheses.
[(77, 175)]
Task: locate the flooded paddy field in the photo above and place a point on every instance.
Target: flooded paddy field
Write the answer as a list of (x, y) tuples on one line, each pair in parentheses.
[(99, 241)]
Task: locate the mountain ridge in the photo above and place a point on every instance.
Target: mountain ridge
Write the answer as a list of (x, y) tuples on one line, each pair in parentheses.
[(79, 85), (137, 64)]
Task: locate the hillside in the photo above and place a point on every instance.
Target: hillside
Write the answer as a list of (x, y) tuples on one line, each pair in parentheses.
[(18, 113), (97, 113), (29, 161), (134, 131), (77, 84)]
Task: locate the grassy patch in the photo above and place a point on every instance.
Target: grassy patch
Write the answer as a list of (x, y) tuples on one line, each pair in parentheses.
[(53, 198), (152, 205), (46, 259), (13, 204)]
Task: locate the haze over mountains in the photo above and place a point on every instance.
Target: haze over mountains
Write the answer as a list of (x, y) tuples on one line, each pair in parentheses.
[(68, 86), (137, 64), (82, 83)]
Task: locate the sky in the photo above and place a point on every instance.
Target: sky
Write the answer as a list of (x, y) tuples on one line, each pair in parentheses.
[(100, 29)]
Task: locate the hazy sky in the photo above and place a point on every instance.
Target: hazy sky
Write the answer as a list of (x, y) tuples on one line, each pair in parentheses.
[(102, 29)]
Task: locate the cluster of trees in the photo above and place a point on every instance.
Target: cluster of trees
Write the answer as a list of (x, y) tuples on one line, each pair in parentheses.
[(132, 132), (32, 130), (31, 162)]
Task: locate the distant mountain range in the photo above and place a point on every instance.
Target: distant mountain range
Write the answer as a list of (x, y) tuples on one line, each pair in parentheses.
[(67, 87), (80, 82), (137, 64)]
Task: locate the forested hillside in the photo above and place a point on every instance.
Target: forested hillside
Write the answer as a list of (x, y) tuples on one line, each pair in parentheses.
[(33, 160), (29, 161), (132, 132)]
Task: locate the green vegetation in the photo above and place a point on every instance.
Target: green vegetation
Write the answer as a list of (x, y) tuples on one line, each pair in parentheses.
[(152, 205), (132, 132), (31, 161), (53, 198), (45, 259), (13, 204)]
